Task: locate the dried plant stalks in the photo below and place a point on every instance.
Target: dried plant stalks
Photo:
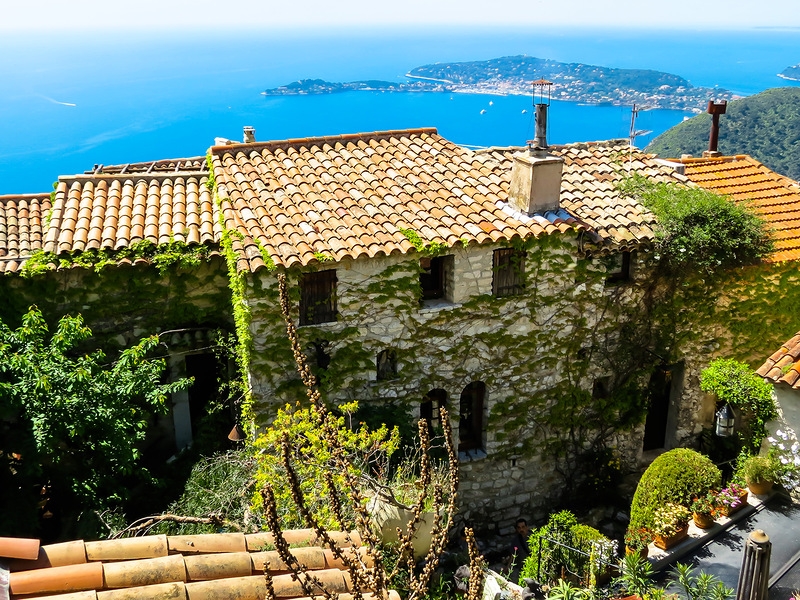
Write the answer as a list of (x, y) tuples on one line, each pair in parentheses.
[(375, 579)]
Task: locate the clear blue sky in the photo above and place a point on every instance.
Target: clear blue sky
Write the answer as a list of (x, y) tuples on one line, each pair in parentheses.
[(45, 15)]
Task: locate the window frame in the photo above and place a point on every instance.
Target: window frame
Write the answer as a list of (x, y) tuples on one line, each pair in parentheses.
[(318, 289), (508, 272)]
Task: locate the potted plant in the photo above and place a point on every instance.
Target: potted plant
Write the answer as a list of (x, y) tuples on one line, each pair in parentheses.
[(760, 473), (731, 499), (670, 525), (637, 541), (703, 509)]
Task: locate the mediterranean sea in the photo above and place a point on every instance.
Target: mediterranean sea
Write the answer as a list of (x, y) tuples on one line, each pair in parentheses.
[(71, 100)]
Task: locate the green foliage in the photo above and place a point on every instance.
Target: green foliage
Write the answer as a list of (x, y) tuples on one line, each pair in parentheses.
[(564, 590), (701, 586), (175, 254), (312, 456), (760, 469), (220, 486), (636, 575), (677, 476), (428, 249), (549, 552), (765, 126), (736, 384), (697, 229), (78, 418), (211, 182)]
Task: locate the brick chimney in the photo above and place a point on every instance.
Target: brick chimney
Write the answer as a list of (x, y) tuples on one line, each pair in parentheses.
[(249, 134), (536, 174)]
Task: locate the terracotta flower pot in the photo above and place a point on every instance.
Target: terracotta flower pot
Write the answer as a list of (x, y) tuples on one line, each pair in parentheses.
[(703, 520), (666, 542), (727, 511), (642, 552), (761, 487)]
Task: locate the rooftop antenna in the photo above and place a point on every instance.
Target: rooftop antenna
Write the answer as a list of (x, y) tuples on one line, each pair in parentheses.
[(542, 90), (633, 131)]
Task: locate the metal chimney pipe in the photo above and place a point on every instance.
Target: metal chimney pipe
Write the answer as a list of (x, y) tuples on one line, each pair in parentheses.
[(540, 140), (715, 109)]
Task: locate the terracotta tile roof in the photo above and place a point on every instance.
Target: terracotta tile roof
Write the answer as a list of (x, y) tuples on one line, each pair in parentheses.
[(168, 165), (22, 227), (351, 196), (227, 565), (94, 212), (783, 366), (775, 197), (592, 171)]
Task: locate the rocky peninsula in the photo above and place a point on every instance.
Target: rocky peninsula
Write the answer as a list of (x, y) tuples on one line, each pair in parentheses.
[(575, 82)]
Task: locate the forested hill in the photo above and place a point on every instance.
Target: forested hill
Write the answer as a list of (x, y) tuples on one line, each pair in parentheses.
[(766, 126)]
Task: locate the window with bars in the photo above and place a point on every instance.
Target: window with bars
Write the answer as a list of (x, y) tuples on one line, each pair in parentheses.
[(508, 272), (318, 297), (470, 417)]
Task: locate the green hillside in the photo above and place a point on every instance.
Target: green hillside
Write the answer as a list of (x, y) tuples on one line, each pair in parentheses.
[(765, 126)]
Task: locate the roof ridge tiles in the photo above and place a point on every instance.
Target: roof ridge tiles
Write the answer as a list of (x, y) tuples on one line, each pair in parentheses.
[(319, 140)]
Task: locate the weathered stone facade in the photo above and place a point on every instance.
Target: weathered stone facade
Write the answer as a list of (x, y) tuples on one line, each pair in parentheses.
[(518, 346)]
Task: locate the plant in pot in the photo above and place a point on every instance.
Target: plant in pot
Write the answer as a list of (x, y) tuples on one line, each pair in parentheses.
[(637, 541), (731, 498), (760, 473), (670, 525), (703, 509)]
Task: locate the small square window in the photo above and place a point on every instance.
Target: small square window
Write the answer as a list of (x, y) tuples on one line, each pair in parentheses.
[(386, 365), (601, 388), (508, 272), (318, 297), (436, 277), (618, 268)]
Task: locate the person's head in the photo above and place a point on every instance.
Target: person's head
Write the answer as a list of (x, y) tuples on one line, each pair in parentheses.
[(521, 527)]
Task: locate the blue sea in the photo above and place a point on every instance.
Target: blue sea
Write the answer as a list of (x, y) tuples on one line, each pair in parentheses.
[(71, 100)]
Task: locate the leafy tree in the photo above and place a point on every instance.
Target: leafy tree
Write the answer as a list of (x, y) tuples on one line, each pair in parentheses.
[(72, 418), (700, 230)]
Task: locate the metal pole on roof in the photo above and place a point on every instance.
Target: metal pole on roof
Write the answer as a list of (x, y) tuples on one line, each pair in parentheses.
[(754, 575)]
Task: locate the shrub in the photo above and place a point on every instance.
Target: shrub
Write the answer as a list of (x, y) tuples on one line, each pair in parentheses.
[(676, 476), (735, 383), (549, 552), (699, 229)]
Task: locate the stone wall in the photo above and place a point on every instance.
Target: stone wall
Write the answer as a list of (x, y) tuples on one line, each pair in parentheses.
[(520, 346)]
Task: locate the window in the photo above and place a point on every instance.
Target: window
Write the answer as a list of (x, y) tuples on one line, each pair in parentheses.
[(470, 417), (319, 350), (429, 409), (386, 365), (317, 297), (618, 268), (508, 272), (435, 277), (601, 388)]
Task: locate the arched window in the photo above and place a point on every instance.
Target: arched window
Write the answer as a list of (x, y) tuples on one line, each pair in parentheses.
[(429, 408), (470, 417)]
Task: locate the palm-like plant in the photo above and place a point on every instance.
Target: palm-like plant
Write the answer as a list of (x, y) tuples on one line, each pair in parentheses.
[(702, 586)]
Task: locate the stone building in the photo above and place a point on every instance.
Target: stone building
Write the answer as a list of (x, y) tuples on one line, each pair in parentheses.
[(506, 284)]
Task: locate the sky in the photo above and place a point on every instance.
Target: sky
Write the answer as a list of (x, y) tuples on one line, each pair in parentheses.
[(74, 15)]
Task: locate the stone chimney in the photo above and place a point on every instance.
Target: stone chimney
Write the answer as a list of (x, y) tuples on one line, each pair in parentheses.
[(535, 181), (536, 174), (249, 134), (715, 109)]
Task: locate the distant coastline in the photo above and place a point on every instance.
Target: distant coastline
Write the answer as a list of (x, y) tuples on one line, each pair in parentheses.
[(512, 75)]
